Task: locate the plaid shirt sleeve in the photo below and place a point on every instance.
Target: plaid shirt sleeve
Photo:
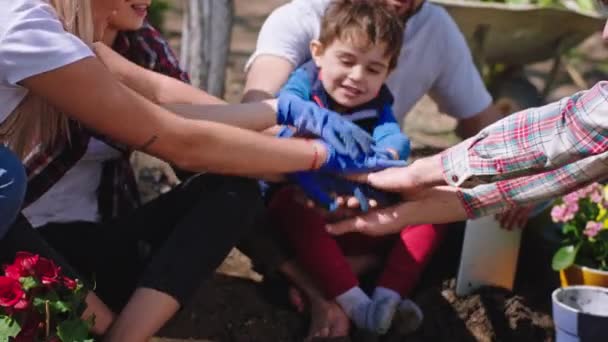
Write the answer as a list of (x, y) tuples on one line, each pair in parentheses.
[(564, 144), (495, 197)]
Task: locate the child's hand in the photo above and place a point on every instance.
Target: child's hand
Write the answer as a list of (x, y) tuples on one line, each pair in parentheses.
[(378, 159), (310, 119)]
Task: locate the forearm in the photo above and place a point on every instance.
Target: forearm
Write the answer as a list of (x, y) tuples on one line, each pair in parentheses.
[(266, 77), (229, 150), (436, 205), (254, 116), (121, 114), (154, 86)]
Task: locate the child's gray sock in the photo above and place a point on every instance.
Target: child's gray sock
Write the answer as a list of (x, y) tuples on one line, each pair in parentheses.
[(355, 304)]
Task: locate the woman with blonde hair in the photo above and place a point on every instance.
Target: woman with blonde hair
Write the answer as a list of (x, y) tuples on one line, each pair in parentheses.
[(58, 101)]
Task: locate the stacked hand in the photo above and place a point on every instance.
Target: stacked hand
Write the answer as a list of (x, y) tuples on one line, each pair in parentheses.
[(326, 190), (308, 119)]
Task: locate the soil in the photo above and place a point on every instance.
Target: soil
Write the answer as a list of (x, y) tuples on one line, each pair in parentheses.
[(237, 305)]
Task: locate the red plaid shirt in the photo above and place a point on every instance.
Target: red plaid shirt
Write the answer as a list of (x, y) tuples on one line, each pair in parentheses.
[(563, 145), (117, 191)]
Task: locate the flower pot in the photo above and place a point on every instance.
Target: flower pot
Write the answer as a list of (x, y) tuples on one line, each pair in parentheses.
[(581, 275), (580, 314)]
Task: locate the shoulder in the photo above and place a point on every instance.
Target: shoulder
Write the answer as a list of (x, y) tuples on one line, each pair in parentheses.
[(442, 23), (434, 27), (19, 13), (312, 9)]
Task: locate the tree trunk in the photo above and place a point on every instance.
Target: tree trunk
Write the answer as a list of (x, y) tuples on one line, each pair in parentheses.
[(206, 32)]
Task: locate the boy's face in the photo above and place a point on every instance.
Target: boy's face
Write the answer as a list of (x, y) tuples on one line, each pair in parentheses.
[(130, 15), (351, 76)]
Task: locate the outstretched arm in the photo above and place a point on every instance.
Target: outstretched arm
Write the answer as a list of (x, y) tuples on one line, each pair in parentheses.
[(100, 102), (154, 86)]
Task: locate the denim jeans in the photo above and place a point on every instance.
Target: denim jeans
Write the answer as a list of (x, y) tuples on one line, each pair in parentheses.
[(13, 182)]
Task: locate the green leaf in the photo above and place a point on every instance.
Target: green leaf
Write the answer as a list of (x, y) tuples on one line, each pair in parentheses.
[(28, 283), (55, 305), (75, 330), (568, 228), (8, 328), (564, 257)]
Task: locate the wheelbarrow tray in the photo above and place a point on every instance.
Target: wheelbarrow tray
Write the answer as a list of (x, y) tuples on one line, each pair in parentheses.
[(520, 34)]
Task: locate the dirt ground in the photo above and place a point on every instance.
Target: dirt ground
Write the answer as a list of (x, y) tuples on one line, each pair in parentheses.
[(238, 306)]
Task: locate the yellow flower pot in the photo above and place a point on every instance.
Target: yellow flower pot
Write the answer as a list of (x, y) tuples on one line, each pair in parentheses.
[(581, 275)]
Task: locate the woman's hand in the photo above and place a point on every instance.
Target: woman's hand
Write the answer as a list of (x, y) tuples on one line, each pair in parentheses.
[(436, 205), (408, 180)]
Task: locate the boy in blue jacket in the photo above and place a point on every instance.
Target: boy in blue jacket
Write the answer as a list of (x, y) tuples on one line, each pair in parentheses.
[(359, 44)]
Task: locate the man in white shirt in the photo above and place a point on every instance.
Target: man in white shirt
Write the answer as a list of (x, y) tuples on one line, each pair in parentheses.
[(434, 60)]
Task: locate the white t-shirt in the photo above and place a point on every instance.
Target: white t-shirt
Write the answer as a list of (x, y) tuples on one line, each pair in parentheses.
[(33, 41), (435, 58), (74, 197)]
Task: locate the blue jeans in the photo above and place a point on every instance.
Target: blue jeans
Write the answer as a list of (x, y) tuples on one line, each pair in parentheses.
[(12, 188)]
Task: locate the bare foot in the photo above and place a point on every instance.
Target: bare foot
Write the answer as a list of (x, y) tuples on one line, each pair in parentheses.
[(327, 320)]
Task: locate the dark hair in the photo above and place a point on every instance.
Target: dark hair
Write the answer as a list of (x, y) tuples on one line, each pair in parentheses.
[(364, 23)]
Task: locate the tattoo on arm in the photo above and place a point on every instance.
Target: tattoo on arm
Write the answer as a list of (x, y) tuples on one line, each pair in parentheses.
[(148, 143)]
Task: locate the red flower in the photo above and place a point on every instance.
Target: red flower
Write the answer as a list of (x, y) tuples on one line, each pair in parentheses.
[(69, 283), (26, 261), (47, 271), (11, 293), (15, 272), (23, 266)]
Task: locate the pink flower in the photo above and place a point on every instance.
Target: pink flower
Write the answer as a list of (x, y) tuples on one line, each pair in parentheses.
[(596, 197), (593, 228), (564, 212), (571, 198)]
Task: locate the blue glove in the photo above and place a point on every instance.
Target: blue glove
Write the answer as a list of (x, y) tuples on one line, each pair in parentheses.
[(337, 163), (310, 119), (319, 187), (340, 163), (398, 142)]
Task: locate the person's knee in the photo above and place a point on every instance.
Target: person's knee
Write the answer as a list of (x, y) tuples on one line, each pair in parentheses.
[(13, 183)]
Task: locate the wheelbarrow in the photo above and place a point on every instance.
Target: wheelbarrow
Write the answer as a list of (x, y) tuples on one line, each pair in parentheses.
[(513, 35)]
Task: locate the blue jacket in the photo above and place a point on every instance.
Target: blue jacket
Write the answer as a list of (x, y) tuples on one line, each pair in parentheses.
[(375, 116)]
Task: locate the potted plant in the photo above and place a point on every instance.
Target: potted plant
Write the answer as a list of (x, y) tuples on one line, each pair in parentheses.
[(39, 304), (583, 257)]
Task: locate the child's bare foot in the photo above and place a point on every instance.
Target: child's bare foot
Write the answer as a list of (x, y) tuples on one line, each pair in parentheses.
[(327, 320)]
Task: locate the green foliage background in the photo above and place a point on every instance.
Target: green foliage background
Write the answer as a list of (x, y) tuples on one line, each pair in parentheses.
[(156, 13)]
